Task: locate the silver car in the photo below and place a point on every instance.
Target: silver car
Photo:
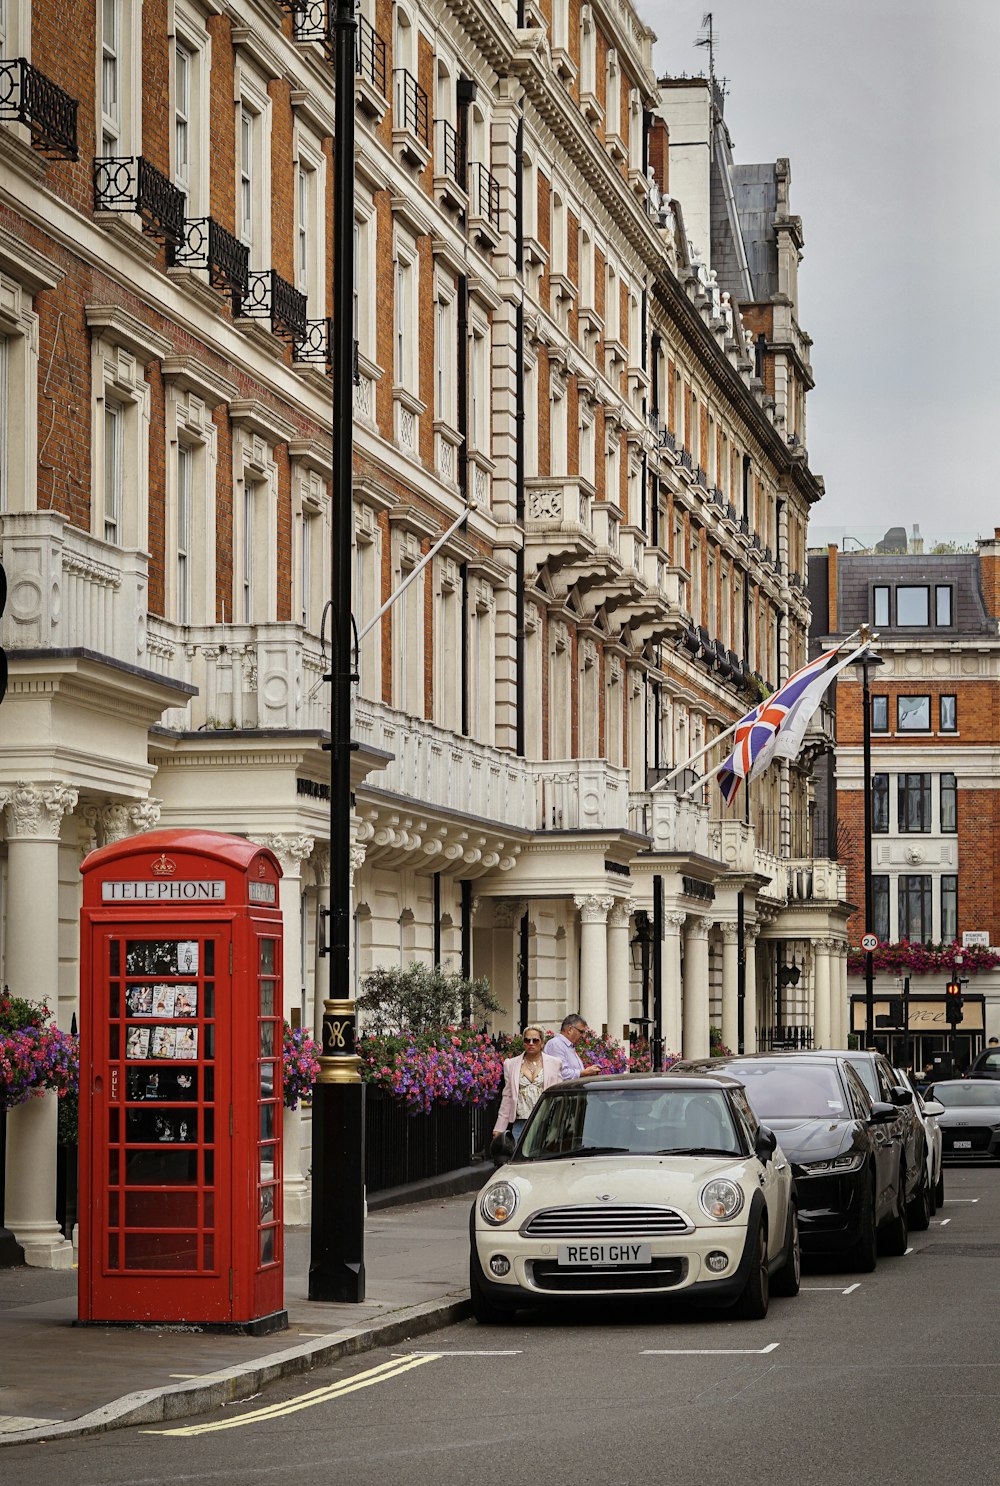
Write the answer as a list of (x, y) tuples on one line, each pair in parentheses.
[(927, 1112)]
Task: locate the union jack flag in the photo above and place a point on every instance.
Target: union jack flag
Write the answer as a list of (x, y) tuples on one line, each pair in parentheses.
[(757, 732)]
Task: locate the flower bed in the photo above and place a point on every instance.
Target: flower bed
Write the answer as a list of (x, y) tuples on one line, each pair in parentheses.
[(35, 1055), (923, 959), (455, 1065)]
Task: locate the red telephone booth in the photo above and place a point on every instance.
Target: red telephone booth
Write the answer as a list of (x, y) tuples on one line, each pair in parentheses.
[(181, 1083)]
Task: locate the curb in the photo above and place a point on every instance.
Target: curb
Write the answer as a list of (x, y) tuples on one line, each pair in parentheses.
[(182, 1400), (450, 1184)]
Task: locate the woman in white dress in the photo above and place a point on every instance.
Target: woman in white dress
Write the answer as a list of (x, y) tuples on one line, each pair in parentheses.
[(525, 1078)]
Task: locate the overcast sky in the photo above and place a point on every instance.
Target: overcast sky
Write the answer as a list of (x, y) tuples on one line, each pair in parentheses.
[(889, 111)]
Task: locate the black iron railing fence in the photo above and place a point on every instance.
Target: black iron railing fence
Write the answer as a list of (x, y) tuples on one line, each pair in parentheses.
[(130, 183), (270, 297), (208, 245), (28, 97), (369, 55), (484, 194), (451, 152), (403, 1148), (410, 109), (773, 1039)]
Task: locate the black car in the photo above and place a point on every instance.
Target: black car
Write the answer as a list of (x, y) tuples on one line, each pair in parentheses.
[(986, 1065), (846, 1172), (969, 1118), (906, 1132)]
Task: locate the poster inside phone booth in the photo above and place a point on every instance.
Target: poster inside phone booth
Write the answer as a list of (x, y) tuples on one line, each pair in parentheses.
[(181, 1083)]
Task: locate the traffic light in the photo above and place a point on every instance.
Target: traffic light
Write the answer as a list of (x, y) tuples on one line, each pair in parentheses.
[(953, 1001)]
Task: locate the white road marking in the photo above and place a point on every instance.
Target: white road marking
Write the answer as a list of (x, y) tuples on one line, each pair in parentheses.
[(834, 1289), (316, 1333), (184, 1374), (497, 1352), (710, 1351), (952, 1200), (945, 1222)]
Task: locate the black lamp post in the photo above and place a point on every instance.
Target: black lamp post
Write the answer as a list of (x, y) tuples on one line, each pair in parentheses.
[(867, 660), (337, 1244)]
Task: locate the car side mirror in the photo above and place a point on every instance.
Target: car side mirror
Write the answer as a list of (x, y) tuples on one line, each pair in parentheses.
[(765, 1144), (901, 1096), (882, 1114), (933, 1107), (501, 1148)]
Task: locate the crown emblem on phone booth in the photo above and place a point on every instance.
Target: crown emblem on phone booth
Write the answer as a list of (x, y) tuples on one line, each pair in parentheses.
[(162, 865)]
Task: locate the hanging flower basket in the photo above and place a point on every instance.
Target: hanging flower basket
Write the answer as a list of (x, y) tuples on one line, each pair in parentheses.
[(35, 1054), (299, 1065), (923, 959)]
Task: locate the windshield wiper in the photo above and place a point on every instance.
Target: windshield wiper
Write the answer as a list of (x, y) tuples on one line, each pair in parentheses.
[(694, 1150)]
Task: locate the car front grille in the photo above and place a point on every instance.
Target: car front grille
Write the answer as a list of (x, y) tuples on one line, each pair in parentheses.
[(979, 1135), (662, 1274), (606, 1222)]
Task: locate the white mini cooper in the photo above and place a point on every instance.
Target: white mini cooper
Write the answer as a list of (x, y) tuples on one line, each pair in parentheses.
[(638, 1184)]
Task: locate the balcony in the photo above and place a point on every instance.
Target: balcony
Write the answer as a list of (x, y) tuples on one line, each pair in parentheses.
[(127, 183), (732, 843), (270, 297), (558, 526), (312, 346), (310, 22), (208, 245), (370, 71), (28, 97), (450, 175), (484, 206), (674, 822), (411, 130)]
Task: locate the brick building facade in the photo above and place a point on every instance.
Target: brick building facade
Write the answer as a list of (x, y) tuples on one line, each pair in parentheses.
[(614, 402)]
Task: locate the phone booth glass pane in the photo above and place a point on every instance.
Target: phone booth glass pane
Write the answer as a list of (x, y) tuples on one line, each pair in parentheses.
[(163, 1115), (269, 1122)]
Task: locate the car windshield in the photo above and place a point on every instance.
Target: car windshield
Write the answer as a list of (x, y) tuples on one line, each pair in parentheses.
[(966, 1096), (589, 1121), (794, 1090), (865, 1069), (988, 1063)]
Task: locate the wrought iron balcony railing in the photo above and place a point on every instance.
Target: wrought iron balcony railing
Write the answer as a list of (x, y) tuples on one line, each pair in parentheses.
[(484, 194), (268, 296), (410, 109), (687, 462), (451, 152), (207, 244), (28, 97), (313, 344), (129, 183), (311, 21), (369, 55)]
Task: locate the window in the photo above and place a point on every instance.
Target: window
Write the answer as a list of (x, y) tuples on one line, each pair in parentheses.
[(182, 115), (405, 340), (114, 471), (913, 802), (246, 571), (913, 714), (4, 414), (947, 714), (447, 653), (949, 909), (915, 913), (479, 391), (880, 714), (311, 227), (949, 803), (111, 40), (912, 605), (880, 802), (185, 487), (588, 51), (253, 166), (942, 604), (880, 606), (247, 132), (190, 139), (880, 908)]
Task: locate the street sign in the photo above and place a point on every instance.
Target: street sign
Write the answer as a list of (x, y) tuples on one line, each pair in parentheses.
[(869, 942), (973, 938)]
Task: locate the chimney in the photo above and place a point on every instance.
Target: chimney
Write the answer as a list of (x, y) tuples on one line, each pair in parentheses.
[(831, 588)]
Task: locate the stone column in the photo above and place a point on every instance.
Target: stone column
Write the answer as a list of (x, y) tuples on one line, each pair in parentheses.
[(292, 849), (619, 969), (673, 987), (750, 933), (730, 986), (507, 916), (696, 1040), (822, 1006), (841, 1000), (594, 910), (34, 818)]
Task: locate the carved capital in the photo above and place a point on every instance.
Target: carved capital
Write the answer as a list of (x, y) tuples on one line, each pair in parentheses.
[(698, 928), (751, 933), (37, 810), (114, 823), (320, 863), (673, 923), (509, 911), (291, 849), (730, 933), (621, 913), (594, 908), (144, 815), (357, 861)]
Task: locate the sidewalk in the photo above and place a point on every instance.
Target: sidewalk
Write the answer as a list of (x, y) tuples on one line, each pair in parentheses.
[(58, 1379)]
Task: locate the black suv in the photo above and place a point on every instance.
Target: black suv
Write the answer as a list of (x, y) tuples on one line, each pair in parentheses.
[(986, 1064)]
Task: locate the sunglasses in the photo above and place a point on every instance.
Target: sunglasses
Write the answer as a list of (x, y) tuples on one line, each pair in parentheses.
[(531, 1039)]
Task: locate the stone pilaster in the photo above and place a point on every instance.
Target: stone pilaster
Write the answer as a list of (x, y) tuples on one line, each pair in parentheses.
[(730, 986), (619, 976), (696, 1036), (594, 909), (673, 987)]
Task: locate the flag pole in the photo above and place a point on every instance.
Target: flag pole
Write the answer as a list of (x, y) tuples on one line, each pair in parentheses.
[(720, 737)]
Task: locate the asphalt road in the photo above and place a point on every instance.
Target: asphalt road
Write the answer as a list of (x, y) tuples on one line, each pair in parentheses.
[(861, 1380)]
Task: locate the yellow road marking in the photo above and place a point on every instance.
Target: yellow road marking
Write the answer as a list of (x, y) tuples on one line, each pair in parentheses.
[(381, 1374)]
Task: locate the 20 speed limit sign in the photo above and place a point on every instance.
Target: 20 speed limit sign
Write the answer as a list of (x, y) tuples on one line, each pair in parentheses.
[(869, 942)]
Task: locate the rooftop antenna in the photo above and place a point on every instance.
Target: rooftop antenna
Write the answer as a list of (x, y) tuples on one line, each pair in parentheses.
[(708, 39)]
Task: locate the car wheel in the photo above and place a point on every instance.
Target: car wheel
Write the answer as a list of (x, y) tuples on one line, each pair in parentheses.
[(789, 1276), (939, 1189), (918, 1212), (484, 1308), (752, 1304), (895, 1234), (864, 1253)]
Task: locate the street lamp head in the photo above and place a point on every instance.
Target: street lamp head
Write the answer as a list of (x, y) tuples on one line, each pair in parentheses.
[(868, 658)]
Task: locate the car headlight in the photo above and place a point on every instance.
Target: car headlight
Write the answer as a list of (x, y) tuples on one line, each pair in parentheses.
[(499, 1203), (721, 1199), (852, 1161)]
